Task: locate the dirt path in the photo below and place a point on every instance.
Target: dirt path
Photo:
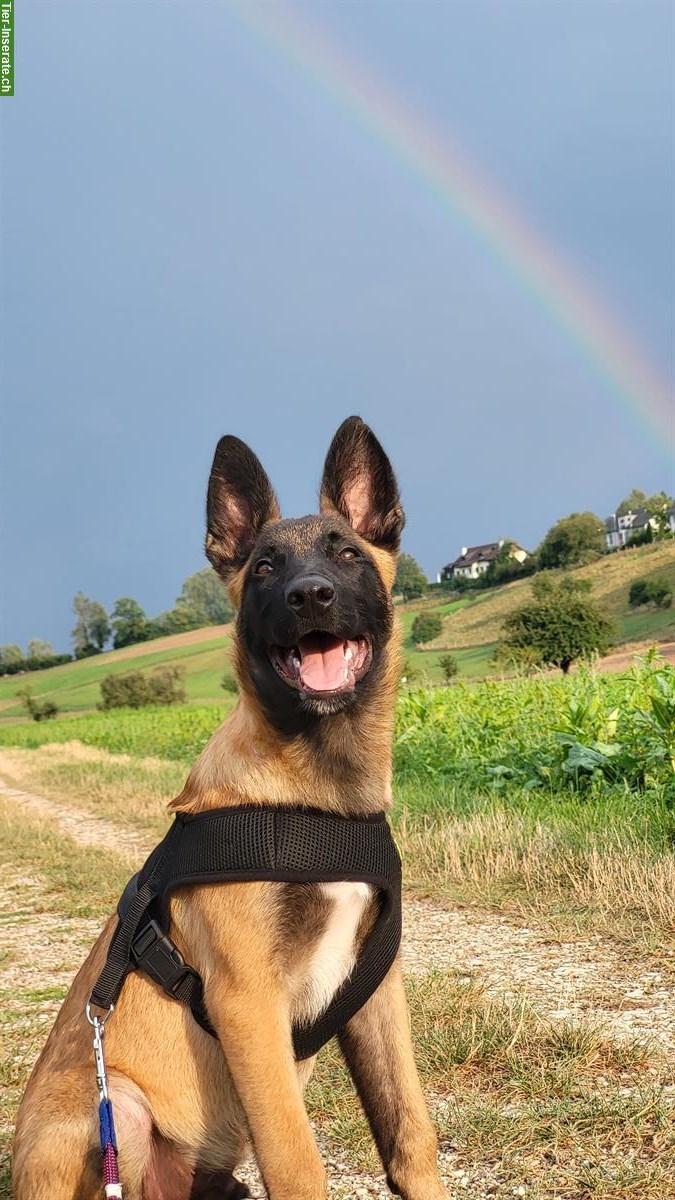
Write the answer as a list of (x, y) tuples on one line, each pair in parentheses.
[(562, 980), (82, 828)]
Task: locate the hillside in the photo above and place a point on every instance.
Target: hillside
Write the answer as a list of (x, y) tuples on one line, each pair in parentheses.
[(479, 623), (202, 653), (471, 629)]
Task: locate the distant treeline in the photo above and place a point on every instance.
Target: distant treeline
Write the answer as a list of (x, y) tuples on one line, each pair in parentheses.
[(202, 602), (17, 665)]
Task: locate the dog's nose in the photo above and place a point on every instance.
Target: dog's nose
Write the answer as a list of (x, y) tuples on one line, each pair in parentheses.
[(311, 593)]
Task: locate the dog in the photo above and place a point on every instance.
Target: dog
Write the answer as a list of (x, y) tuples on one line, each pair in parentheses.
[(317, 659)]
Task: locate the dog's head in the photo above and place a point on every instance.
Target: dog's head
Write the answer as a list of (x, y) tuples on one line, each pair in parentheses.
[(314, 621)]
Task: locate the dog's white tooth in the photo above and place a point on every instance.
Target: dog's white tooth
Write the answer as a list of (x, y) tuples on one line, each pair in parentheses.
[(349, 654), (296, 661)]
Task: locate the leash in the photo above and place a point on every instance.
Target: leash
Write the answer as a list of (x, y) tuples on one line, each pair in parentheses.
[(111, 1176)]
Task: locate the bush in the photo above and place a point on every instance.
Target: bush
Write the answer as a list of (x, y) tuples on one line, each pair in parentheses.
[(650, 591), (229, 684), (136, 690), (409, 672), (426, 627), (40, 710), (449, 666)]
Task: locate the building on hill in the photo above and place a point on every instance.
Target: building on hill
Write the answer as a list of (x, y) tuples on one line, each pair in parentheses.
[(618, 529), (475, 560)]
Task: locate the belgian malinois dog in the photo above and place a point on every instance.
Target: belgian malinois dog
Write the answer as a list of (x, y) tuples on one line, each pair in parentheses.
[(317, 661)]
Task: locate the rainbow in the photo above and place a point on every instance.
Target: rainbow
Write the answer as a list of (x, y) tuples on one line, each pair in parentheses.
[(474, 201)]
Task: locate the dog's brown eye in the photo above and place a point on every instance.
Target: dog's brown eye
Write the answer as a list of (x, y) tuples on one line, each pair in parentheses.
[(348, 553), (263, 567)]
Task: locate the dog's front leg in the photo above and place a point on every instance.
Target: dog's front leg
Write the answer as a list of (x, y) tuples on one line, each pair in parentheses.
[(247, 998), (378, 1048), (254, 1032)]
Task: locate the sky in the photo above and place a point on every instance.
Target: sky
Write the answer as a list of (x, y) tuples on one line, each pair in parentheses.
[(203, 233)]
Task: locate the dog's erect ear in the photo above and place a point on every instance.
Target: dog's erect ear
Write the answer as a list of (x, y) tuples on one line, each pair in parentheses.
[(239, 502), (359, 483)]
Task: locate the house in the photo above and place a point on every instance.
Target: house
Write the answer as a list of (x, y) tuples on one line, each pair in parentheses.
[(475, 560), (618, 529)]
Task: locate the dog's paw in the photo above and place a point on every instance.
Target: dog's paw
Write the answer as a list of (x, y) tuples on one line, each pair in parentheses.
[(220, 1186)]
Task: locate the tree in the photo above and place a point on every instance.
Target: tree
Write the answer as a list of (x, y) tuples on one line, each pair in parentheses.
[(650, 591), (560, 624), (177, 620), (504, 568), (634, 500), (410, 581), (99, 624), (11, 655), (129, 622), (426, 627), (658, 507), (204, 595), (92, 628), (572, 540), (39, 649), (449, 666)]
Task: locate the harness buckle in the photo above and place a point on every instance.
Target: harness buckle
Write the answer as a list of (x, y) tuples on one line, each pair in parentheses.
[(155, 953)]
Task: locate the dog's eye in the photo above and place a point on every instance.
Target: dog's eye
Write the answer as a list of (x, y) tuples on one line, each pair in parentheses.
[(263, 567), (348, 553)]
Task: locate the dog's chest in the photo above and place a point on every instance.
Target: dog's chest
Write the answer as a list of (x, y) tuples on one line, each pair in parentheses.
[(333, 955)]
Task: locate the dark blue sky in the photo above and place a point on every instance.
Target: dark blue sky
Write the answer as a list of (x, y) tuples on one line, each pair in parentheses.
[(197, 240)]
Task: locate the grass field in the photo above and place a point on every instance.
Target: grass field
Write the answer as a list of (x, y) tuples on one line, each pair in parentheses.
[(536, 809), (471, 631)]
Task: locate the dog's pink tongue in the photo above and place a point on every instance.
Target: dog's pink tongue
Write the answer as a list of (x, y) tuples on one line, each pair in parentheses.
[(323, 666)]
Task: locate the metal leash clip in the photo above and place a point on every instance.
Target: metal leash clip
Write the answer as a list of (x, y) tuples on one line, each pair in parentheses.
[(111, 1179)]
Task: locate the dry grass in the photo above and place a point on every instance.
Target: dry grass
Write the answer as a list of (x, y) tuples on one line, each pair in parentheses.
[(126, 790), (504, 860), (558, 1110)]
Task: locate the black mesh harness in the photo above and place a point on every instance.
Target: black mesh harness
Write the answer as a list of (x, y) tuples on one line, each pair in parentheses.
[(233, 845)]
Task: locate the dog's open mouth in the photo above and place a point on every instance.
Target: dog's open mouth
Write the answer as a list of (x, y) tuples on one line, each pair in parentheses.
[(322, 664)]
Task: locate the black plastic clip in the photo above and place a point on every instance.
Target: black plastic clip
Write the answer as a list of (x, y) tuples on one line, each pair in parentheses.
[(154, 952)]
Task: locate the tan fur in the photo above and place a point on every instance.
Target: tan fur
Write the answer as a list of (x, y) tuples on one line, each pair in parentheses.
[(187, 1103)]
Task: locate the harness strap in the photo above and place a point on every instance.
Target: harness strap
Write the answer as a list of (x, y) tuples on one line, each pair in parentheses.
[(252, 843), (134, 903)]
